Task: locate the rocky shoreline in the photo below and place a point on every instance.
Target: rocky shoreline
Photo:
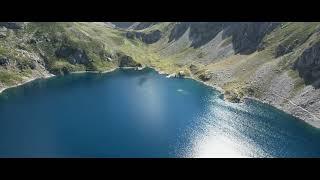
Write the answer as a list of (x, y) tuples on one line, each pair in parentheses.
[(304, 115), (52, 75), (26, 81)]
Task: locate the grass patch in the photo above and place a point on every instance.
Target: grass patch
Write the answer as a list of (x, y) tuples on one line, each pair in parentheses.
[(9, 78)]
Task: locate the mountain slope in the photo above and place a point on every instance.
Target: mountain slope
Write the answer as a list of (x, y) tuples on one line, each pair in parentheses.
[(277, 63)]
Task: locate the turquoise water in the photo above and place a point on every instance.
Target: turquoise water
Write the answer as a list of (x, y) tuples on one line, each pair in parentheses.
[(130, 113)]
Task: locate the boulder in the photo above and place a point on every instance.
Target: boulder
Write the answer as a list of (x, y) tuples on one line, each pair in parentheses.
[(4, 61)]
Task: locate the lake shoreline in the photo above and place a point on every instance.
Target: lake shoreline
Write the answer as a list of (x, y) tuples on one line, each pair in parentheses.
[(26, 81), (301, 117)]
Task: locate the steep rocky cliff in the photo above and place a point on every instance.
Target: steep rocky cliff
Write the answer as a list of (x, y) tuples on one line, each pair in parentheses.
[(308, 65), (246, 36)]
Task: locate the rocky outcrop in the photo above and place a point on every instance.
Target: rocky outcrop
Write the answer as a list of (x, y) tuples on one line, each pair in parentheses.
[(123, 25), (283, 49), (73, 55), (193, 68), (308, 65), (232, 97), (3, 32), (178, 30), (20, 64), (4, 61), (127, 61), (181, 74), (205, 76), (148, 38)]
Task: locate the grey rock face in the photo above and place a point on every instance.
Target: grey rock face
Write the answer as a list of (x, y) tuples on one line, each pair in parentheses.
[(143, 25), (131, 35), (149, 38), (73, 55), (12, 25), (283, 49), (246, 36), (200, 32), (178, 30), (308, 65), (152, 37), (203, 32), (123, 25)]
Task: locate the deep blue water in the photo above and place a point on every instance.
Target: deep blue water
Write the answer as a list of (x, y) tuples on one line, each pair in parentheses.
[(130, 113)]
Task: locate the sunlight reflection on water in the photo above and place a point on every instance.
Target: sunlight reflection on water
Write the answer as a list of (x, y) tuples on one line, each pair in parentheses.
[(219, 135)]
